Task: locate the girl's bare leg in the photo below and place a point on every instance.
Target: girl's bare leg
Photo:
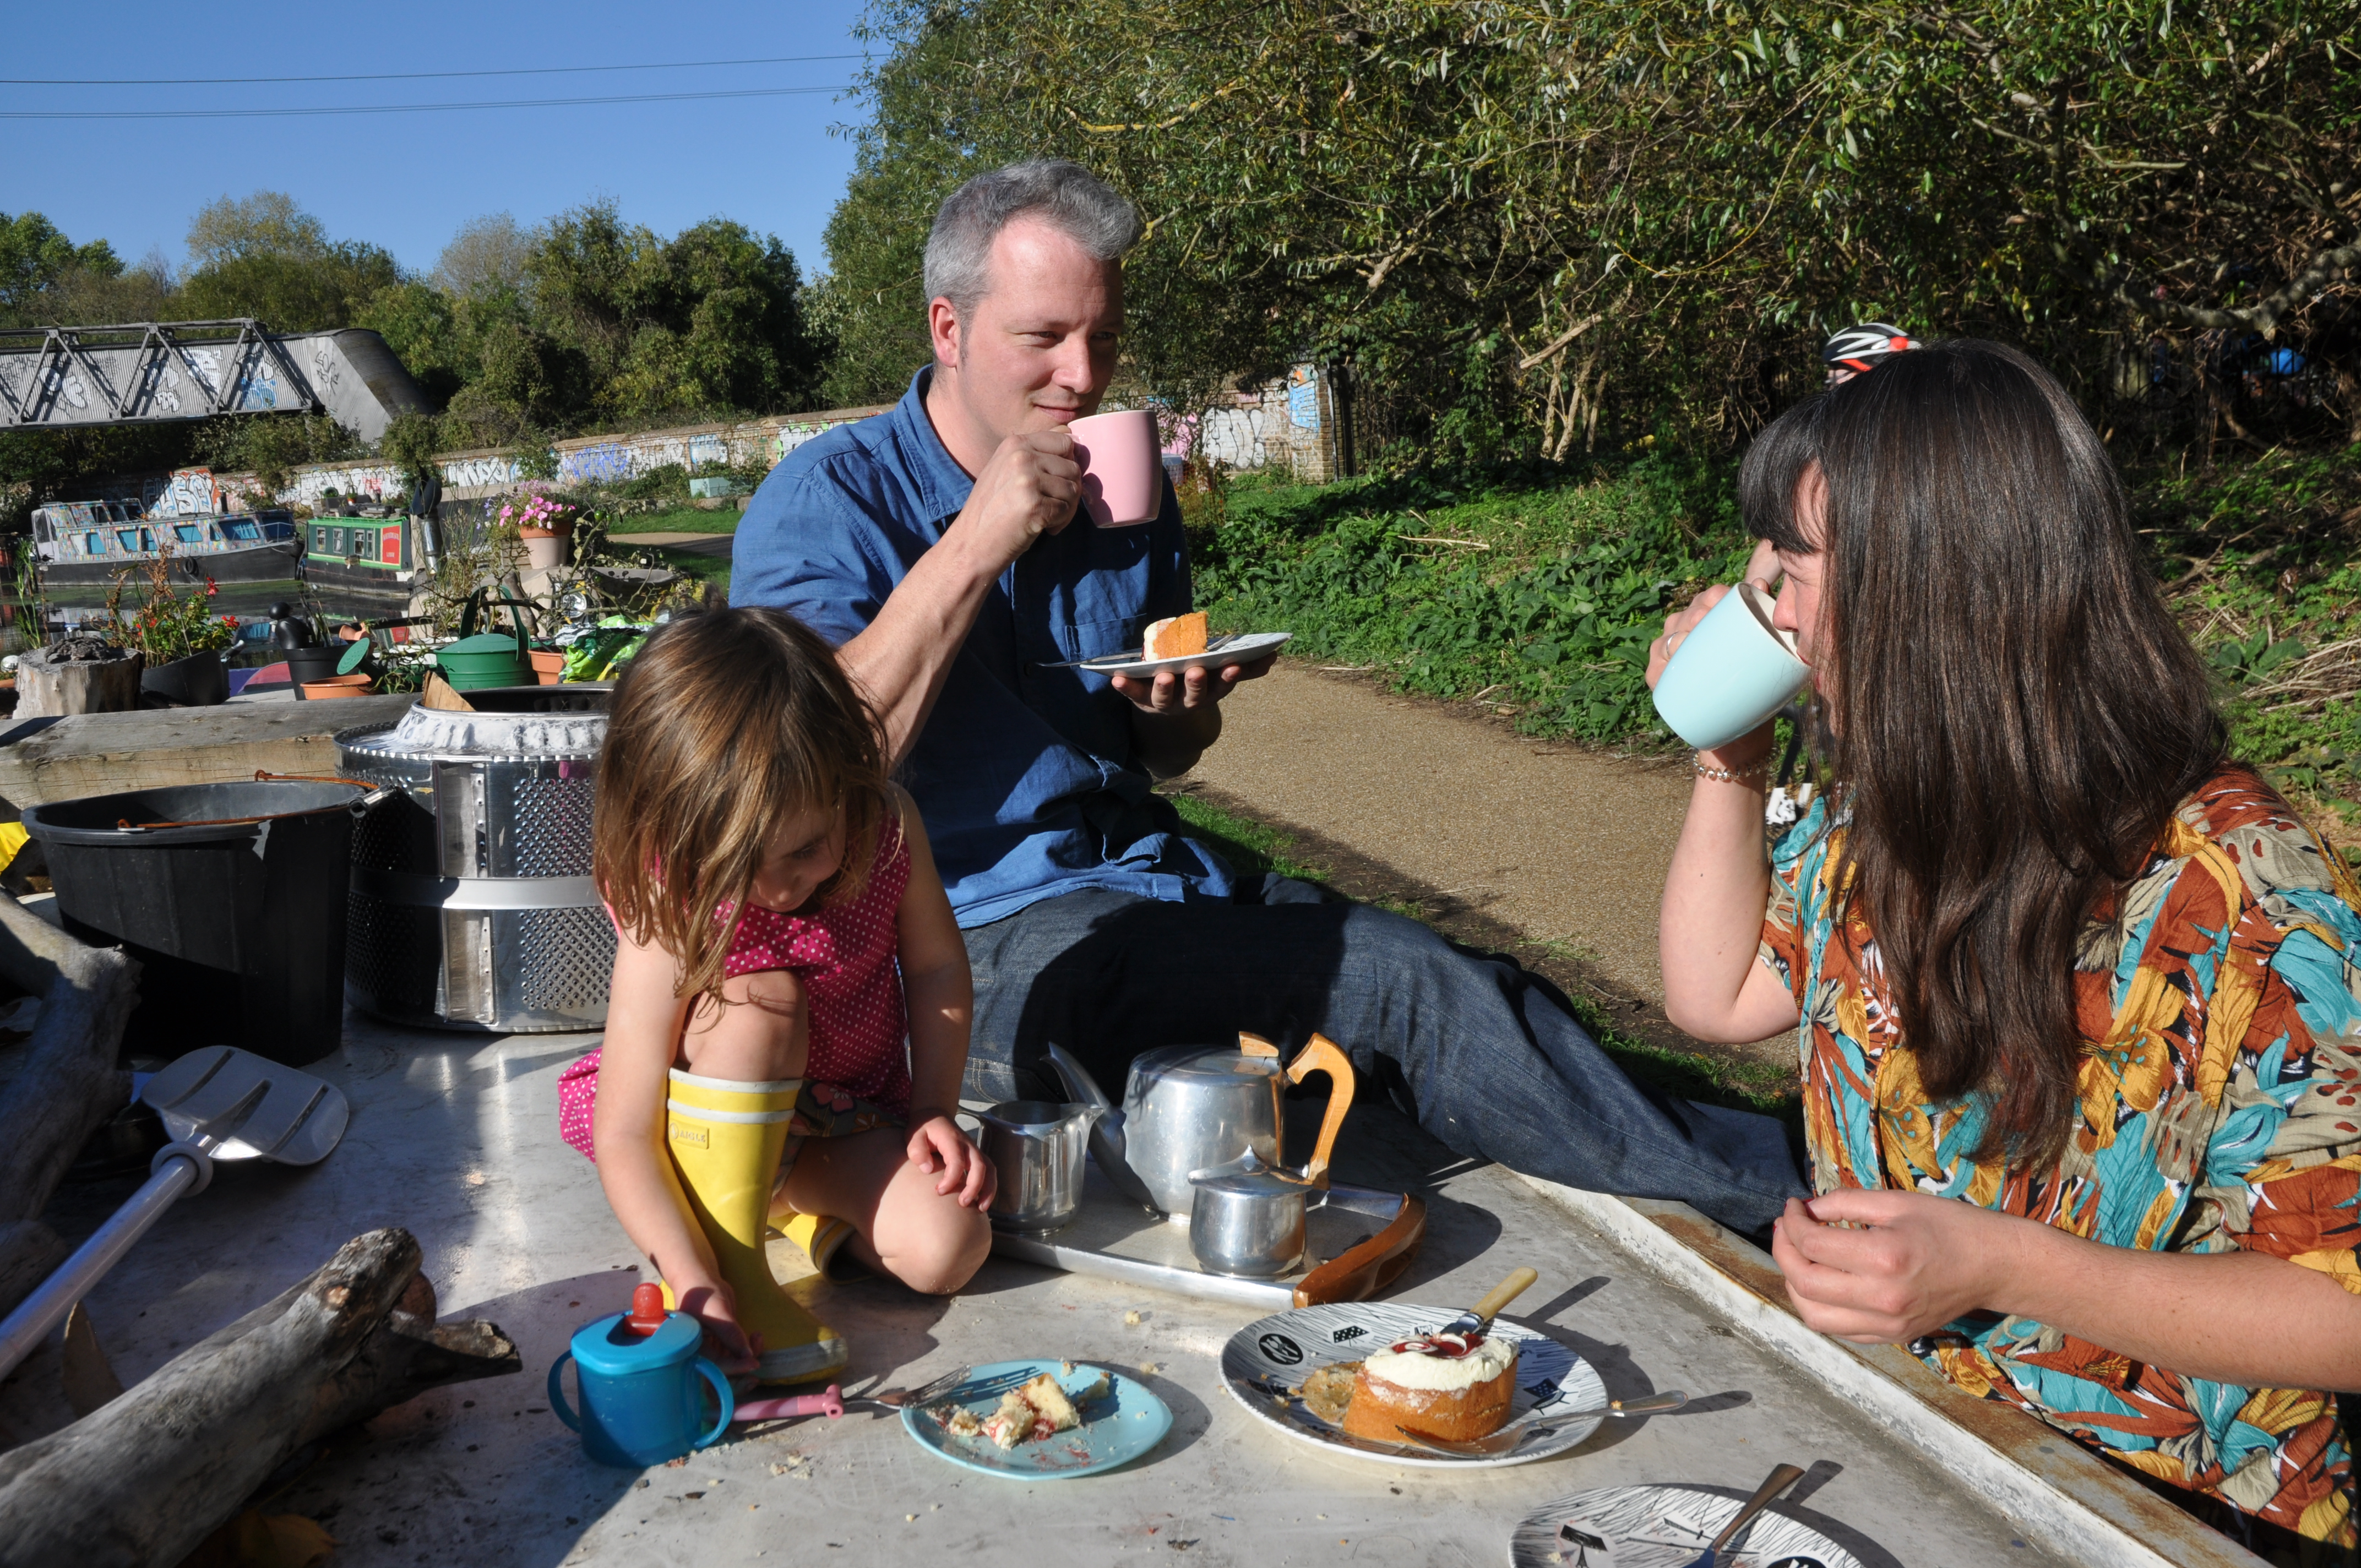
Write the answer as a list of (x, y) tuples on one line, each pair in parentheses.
[(765, 1034), (904, 1228)]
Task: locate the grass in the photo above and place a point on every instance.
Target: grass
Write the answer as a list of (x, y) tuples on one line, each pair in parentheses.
[(680, 519), (1253, 848)]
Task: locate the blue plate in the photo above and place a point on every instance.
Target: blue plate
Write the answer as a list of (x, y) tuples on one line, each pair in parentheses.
[(1116, 1429)]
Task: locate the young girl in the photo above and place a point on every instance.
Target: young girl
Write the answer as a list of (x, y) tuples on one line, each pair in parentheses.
[(781, 926)]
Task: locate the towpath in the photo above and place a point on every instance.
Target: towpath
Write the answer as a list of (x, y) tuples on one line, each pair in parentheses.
[(1551, 851)]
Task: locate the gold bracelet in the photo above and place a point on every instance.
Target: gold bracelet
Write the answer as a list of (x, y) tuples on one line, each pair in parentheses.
[(1757, 775)]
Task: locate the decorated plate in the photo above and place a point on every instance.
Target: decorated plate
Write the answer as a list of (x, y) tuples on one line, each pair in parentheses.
[(1241, 648), (1664, 1527), (1265, 1363), (1117, 1427)]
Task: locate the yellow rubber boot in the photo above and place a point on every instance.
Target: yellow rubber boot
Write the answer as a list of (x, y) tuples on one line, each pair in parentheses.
[(823, 1240), (726, 1139)]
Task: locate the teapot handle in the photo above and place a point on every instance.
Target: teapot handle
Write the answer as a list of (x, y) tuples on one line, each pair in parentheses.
[(1323, 1054)]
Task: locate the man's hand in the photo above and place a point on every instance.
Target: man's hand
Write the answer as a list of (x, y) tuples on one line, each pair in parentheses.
[(1031, 487), (938, 1144), (1918, 1262), (1199, 685)]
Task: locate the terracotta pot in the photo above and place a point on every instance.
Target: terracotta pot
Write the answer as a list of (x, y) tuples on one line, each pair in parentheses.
[(336, 686), (548, 665), (545, 547)]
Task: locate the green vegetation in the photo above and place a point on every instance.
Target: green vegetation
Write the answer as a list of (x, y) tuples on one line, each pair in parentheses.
[(1252, 848), (680, 519), (1553, 229), (1537, 594)]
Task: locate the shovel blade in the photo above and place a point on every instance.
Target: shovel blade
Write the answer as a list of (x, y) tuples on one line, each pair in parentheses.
[(254, 1107)]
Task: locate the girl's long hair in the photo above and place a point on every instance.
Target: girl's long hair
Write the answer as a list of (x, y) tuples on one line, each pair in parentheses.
[(728, 725), (2014, 712)]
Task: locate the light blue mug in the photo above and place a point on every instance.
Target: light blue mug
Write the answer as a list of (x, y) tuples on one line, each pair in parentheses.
[(1730, 673)]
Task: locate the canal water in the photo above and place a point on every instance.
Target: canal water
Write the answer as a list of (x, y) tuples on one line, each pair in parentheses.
[(67, 607)]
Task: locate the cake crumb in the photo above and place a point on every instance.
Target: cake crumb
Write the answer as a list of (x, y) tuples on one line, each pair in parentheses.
[(1132, 1319)]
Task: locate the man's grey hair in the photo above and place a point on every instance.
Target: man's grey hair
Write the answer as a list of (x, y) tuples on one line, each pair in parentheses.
[(1069, 197)]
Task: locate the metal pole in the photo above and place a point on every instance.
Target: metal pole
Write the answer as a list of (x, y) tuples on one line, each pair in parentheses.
[(177, 1168)]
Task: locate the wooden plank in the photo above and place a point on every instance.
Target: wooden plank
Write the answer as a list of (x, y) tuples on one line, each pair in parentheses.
[(42, 760)]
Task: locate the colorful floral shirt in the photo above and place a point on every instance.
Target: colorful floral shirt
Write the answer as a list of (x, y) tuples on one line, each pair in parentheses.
[(2221, 1108)]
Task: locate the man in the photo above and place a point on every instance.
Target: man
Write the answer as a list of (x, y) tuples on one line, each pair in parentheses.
[(1858, 350), (936, 545)]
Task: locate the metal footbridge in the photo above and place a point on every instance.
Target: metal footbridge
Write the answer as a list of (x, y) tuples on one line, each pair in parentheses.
[(147, 372)]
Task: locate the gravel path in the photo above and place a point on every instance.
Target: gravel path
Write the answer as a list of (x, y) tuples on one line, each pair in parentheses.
[(1547, 850)]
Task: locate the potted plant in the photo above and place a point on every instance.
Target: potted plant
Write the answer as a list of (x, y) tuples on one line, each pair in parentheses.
[(180, 636), (544, 525)]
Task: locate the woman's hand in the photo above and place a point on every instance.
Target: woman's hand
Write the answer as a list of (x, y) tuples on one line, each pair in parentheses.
[(1921, 1262), (711, 1304), (1760, 568), (938, 1144)]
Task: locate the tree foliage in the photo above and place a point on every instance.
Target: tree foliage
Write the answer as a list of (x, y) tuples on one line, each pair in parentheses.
[(1509, 216)]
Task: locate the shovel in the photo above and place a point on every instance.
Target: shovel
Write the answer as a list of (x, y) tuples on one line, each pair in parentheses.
[(218, 1103)]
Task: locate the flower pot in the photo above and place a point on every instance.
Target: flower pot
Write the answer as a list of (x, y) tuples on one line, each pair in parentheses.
[(336, 686), (198, 681), (548, 665), (545, 547), (316, 663)]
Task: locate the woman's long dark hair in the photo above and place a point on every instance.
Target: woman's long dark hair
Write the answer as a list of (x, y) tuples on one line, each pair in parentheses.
[(2014, 712)]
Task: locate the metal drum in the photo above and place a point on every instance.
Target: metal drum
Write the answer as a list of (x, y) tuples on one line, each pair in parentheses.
[(472, 905)]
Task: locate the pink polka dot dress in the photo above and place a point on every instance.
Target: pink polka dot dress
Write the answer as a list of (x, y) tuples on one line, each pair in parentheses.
[(846, 956)]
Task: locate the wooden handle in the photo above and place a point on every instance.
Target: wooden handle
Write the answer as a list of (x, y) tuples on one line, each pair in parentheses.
[(1255, 1045), (1365, 1269), (1503, 1293), (1323, 1054)]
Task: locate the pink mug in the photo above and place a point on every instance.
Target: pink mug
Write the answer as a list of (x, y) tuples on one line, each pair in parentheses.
[(1123, 468)]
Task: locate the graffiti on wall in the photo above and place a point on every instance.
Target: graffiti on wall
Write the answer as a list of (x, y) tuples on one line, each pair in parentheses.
[(1303, 397), (189, 493)]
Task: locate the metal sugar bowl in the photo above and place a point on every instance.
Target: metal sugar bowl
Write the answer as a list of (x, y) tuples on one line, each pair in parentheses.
[(472, 905)]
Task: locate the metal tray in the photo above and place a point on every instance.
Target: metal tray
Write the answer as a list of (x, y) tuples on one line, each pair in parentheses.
[(1357, 1241)]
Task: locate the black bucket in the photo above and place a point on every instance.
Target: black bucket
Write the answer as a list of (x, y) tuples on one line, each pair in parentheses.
[(237, 917)]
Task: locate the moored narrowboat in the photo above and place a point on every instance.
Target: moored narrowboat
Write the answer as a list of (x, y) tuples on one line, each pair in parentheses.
[(363, 556), (93, 542)]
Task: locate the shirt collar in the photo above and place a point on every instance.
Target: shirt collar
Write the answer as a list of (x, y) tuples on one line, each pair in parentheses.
[(943, 485)]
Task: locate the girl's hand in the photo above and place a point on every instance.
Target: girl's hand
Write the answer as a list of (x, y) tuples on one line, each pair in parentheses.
[(938, 1144), (730, 1348), (1919, 1262), (1760, 568)]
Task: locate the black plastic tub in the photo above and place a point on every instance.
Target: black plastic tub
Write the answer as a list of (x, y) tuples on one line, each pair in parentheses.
[(237, 916)]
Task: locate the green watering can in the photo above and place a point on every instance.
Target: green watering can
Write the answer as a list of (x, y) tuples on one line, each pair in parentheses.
[(486, 658)]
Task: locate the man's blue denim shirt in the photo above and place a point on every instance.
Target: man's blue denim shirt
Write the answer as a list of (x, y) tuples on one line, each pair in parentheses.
[(1024, 776)]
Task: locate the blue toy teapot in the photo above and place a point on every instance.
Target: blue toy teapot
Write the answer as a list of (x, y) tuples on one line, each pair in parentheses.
[(638, 1371)]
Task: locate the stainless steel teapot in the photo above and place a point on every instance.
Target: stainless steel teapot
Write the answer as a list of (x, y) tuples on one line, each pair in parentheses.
[(1188, 1110)]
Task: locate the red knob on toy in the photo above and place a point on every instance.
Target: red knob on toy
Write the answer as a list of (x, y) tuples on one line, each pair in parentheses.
[(648, 1312)]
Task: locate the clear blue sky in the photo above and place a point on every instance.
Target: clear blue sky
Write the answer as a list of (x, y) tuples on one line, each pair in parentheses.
[(406, 181)]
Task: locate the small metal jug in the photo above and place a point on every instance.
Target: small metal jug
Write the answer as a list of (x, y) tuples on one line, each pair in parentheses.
[(1248, 1221), (639, 1372), (1036, 1146), (1193, 1108)]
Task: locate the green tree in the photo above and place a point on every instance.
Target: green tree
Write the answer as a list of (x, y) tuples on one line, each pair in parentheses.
[(37, 263), (264, 257)]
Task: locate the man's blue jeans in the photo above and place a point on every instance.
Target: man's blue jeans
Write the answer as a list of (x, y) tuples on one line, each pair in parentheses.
[(1487, 1055)]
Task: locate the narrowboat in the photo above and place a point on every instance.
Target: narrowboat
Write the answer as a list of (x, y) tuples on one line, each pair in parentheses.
[(360, 557), (93, 542)]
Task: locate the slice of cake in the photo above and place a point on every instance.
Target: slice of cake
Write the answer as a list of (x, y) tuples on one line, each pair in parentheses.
[(1456, 1387), (1038, 1410), (1174, 637)]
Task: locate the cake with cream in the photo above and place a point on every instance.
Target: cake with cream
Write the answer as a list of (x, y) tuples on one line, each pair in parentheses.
[(1041, 1408), (1454, 1387), (1174, 637)]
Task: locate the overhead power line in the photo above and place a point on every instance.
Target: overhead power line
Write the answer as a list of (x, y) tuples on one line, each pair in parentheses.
[(405, 75), (400, 108)]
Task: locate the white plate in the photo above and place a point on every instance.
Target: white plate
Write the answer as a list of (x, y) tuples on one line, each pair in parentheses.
[(1265, 1362), (1667, 1526), (1239, 650)]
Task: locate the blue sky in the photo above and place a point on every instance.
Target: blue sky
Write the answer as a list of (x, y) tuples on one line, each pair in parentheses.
[(406, 181)]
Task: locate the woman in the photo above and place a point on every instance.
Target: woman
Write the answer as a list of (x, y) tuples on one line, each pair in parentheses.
[(2081, 1031)]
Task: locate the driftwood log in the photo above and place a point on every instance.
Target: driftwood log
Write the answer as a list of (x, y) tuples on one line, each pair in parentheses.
[(65, 1081), (139, 1482)]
